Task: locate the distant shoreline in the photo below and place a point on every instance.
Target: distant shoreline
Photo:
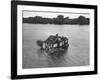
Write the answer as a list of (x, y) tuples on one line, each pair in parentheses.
[(59, 20), (57, 24)]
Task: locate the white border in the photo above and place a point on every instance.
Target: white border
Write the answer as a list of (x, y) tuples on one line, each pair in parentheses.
[(21, 71)]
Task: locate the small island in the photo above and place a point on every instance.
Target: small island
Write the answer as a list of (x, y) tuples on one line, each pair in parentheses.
[(60, 19), (54, 43)]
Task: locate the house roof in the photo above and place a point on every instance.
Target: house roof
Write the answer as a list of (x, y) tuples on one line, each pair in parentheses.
[(53, 39)]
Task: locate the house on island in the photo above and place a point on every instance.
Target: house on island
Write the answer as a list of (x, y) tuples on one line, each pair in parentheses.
[(54, 42)]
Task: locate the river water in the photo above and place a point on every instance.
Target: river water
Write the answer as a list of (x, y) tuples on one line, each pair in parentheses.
[(76, 55)]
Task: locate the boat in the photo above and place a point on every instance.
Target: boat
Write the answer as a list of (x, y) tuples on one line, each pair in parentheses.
[(54, 43)]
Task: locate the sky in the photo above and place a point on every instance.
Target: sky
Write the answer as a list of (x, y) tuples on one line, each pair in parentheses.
[(53, 14)]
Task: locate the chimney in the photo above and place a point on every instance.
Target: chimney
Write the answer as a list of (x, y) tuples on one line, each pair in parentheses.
[(56, 35)]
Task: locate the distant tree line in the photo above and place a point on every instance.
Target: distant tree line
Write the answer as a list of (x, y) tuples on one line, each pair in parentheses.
[(81, 20)]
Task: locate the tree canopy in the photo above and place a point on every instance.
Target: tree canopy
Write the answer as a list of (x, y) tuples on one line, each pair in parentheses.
[(81, 20)]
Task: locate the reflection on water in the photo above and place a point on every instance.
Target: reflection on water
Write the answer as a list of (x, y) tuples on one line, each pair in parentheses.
[(76, 55), (53, 59)]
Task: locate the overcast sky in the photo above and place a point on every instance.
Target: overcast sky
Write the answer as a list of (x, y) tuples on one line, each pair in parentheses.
[(53, 14)]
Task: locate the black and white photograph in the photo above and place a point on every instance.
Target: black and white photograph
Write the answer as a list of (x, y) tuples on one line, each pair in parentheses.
[(53, 39)]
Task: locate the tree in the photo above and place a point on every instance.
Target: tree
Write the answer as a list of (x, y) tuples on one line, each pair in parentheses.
[(66, 19), (60, 19), (81, 20)]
